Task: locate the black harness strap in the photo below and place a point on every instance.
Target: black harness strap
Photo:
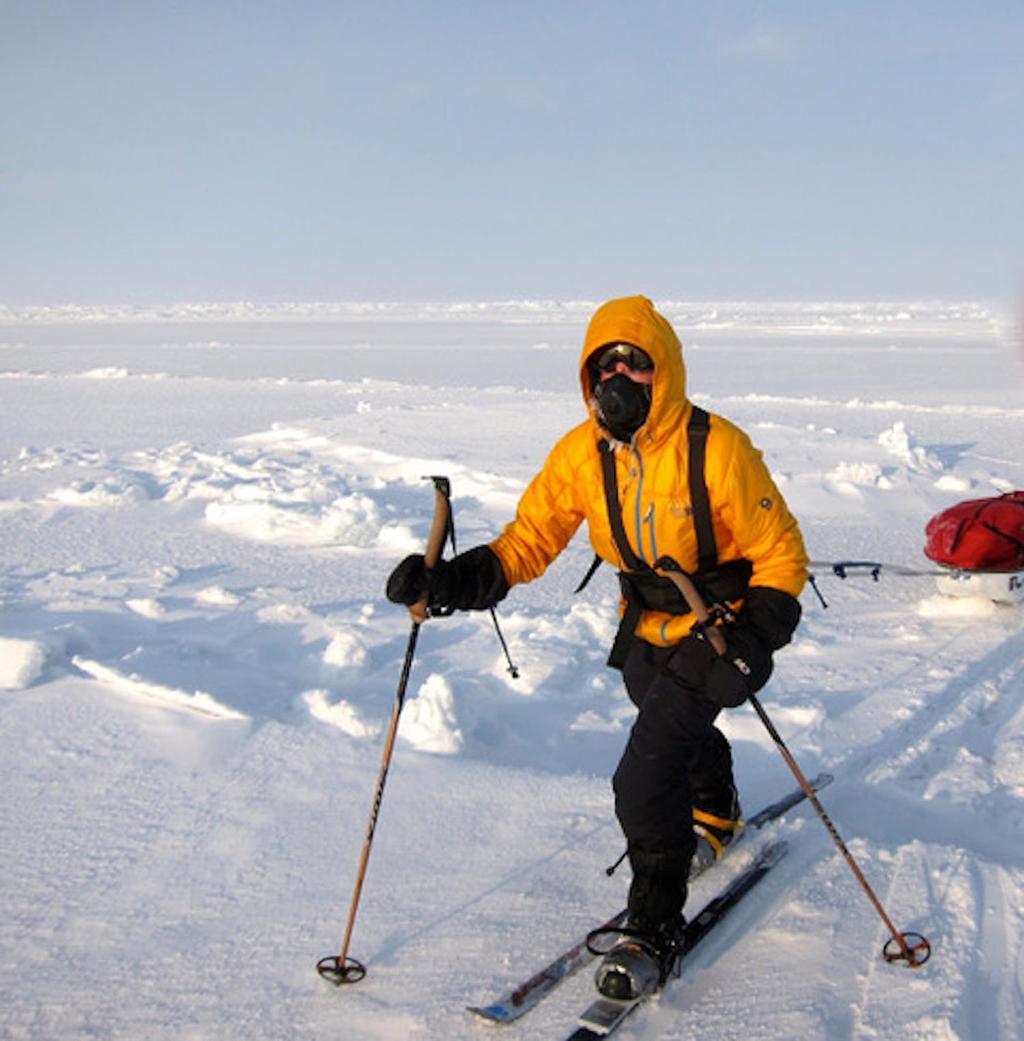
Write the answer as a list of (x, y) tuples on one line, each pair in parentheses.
[(631, 615), (697, 435), (611, 498), (594, 565)]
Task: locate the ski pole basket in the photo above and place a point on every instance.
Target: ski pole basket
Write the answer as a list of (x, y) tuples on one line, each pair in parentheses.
[(911, 948), (341, 971)]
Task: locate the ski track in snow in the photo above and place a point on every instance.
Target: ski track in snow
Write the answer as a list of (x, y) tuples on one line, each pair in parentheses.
[(197, 666)]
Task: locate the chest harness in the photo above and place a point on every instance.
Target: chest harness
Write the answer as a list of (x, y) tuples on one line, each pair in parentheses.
[(642, 587)]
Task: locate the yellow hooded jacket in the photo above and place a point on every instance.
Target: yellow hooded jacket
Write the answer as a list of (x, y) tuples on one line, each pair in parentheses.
[(749, 516)]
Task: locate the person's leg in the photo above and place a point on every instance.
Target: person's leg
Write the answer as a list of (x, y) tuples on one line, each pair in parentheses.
[(716, 803), (711, 777), (654, 780)]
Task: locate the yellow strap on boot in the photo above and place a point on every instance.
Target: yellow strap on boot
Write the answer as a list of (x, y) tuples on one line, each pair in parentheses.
[(722, 823), (702, 818)]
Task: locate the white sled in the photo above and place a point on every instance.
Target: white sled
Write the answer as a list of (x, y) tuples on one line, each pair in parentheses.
[(1003, 587)]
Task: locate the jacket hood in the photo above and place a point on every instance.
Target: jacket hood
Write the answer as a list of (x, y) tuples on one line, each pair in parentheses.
[(633, 319)]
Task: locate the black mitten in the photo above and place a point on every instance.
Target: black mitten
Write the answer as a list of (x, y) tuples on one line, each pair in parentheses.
[(765, 624), (772, 614), (409, 582), (743, 670), (471, 581)]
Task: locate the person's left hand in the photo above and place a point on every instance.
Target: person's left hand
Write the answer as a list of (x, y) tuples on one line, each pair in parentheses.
[(742, 670), (766, 623)]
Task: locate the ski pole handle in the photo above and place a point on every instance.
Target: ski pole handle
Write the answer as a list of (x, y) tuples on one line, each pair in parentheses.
[(439, 530), (682, 581)]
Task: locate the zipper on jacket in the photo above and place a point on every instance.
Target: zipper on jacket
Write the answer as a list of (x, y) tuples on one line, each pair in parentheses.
[(649, 521), (639, 505)]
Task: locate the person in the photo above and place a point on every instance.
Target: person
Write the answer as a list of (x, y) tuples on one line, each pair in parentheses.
[(626, 470)]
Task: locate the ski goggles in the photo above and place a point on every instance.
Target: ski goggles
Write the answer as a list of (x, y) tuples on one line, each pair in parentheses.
[(607, 358)]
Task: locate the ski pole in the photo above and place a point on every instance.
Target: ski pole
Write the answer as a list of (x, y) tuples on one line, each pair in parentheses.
[(910, 948), (341, 968), (512, 670)]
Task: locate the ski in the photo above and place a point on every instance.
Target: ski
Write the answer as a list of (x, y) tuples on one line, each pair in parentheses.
[(526, 995), (605, 1015)]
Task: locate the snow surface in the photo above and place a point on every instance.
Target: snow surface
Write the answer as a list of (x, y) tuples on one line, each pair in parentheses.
[(199, 506)]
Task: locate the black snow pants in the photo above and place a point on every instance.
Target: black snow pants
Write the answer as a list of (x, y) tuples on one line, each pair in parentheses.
[(674, 752)]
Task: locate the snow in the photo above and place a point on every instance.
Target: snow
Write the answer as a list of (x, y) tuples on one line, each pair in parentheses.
[(21, 663), (429, 722), (200, 505)]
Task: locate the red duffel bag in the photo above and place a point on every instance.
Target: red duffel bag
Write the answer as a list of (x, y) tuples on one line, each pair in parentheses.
[(979, 535)]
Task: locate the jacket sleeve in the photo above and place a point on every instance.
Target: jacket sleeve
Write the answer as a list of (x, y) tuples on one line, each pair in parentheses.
[(547, 517), (757, 515)]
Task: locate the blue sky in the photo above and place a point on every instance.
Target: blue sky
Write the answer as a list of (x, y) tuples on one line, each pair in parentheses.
[(159, 152)]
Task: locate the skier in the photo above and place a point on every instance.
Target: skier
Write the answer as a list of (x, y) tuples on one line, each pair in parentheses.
[(627, 471)]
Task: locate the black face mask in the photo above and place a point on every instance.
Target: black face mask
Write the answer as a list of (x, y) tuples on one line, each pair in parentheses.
[(622, 405)]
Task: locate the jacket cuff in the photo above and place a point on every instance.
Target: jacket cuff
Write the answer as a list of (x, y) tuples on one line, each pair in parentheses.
[(772, 614)]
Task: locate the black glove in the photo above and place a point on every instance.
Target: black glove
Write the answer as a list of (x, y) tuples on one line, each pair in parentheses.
[(471, 581), (772, 614), (765, 624)]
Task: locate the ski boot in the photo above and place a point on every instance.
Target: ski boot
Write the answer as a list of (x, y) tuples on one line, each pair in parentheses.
[(640, 960), (646, 948)]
